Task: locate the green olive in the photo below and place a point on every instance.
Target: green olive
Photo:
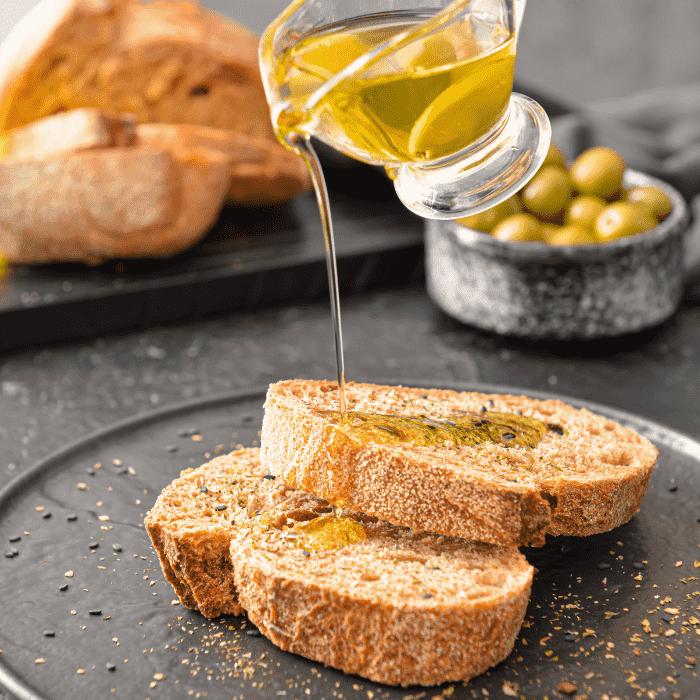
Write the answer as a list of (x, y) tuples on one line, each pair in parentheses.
[(486, 220), (548, 231), (622, 219), (554, 157), (584, 210), (519, 227), (572, 234), (548, 193), (598, 171), (655, 198)]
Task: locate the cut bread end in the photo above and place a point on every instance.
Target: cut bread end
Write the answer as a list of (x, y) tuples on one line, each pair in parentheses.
[(191, 525)]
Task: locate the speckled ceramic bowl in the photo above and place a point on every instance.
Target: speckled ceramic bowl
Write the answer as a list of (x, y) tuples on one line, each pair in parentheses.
[(539, 291)]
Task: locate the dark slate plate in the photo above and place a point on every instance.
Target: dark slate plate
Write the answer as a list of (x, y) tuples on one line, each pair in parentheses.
[(616, 614)]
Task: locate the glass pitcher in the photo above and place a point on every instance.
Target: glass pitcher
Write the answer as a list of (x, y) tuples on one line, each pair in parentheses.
[(420, 87)]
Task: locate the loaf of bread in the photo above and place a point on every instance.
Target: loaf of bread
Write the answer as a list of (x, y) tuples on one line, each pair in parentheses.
[(344, 589), (103, 203), (582, 474), (167, 61)]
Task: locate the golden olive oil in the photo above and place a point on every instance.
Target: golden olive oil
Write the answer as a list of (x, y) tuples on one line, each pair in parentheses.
[(417, 101), (328, 532), (461, 429)]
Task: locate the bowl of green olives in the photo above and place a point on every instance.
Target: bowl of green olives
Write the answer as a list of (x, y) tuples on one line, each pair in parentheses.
[(590, 250)]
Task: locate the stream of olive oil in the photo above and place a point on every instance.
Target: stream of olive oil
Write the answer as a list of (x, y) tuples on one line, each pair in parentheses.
[(429, 95), (303, 147)]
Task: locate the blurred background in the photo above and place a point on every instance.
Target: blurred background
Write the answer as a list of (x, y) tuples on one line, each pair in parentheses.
[(579, 51)]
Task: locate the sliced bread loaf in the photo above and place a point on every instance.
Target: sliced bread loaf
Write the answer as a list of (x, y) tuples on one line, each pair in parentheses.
[(468, 471), (165, 62), (337, 587), (260, 171)]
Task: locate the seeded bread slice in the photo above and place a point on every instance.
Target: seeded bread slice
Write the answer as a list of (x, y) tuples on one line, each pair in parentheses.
[(365, 597), (191, 525), (587, 474)]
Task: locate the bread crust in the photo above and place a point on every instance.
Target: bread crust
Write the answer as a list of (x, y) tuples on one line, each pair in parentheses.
[(77, 130), (509, 496)]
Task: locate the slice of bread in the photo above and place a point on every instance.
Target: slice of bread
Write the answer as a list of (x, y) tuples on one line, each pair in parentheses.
[(115, 202), (261, 173), (191, 532), (77, 130), (587, 474), (344, 589)]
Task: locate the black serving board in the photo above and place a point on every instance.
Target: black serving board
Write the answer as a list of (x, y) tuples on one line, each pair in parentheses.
[(614, 614), (252, 257)]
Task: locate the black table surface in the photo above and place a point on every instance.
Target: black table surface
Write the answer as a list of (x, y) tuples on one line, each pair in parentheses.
[(53, 395)]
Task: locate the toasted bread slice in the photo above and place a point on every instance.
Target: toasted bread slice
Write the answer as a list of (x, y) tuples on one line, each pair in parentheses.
[(114, 202), (340, 588), (77, 130), (583, 474), (261, 172)]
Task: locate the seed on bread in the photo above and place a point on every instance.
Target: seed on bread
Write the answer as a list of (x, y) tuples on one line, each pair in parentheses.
[(185, 514)]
